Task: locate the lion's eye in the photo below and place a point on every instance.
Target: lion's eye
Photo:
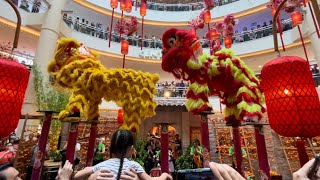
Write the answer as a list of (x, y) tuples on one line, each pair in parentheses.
[(172, 41)]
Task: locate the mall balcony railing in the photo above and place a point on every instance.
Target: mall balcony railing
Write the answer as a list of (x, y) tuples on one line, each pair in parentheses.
[(33, 6), (153, 5), (100, 32)]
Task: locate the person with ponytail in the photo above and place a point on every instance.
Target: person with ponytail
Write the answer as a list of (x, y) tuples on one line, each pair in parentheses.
[(121, 148)]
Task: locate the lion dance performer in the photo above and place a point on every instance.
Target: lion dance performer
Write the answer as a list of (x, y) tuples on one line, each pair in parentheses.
[(222, 74), (76, 68)]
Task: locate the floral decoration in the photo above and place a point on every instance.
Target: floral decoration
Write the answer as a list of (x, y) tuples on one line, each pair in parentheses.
[(127, 27)]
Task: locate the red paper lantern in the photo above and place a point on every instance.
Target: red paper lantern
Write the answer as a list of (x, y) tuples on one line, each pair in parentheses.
[(14, 79), (207, 16), (213, 34), (122, 5), (227, 42), (120, 116), (128, 5), (292, 101), (296, 18), (124, 47), (143, 9), (114, 4)]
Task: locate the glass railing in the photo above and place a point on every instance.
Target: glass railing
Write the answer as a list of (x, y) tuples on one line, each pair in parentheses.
[(99, 31), (154, 5)]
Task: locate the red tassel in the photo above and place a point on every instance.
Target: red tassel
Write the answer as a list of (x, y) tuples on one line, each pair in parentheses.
[(111, 27), (123, 61), (142, 33), (121, 23)]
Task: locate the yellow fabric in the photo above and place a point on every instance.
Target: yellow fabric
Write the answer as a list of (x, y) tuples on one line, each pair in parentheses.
[(90, 81), (199, 88), (192, 104)]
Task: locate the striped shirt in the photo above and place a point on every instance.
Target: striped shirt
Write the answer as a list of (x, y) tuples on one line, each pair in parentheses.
[(113, 165)]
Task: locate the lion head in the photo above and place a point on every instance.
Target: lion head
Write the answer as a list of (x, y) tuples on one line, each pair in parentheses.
[(178, 48)]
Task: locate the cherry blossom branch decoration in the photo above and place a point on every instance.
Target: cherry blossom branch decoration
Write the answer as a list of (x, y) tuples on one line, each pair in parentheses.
[(127, 27)]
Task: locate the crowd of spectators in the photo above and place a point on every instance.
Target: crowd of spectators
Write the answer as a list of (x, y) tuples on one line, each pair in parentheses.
[(34, 6), (160, 5), (173, 89), (98, 30)]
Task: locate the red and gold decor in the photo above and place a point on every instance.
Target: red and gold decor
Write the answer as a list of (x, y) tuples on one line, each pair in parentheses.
[(114, 5), (14, 79), (120, 116), (128, 4), (124, 50), (292, 101), (143, 12), (297, 19), (227, 42)]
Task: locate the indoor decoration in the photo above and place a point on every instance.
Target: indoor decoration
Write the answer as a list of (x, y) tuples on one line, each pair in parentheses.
[(14, 79), (209, 75), (143, 13), (128, 7), (127, 27), (209, 4), (75, 66), (297, 19), (120, 116), (122, 8), (114, 5), (291, 93)]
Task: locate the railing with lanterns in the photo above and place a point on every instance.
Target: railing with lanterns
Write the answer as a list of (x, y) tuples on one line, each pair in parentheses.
[(103, 33), (182, 6), (182, 16)]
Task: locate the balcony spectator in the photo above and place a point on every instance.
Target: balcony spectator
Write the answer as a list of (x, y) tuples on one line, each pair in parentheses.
[(259, 33), (92, 27), (88, 29), (245, 33), (24, 5), (77, 24), (82, 25), (36, 6), (65, 17), (252, 33)]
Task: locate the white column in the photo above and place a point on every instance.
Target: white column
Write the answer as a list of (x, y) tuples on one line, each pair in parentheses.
[(315, 41), (49, 35)]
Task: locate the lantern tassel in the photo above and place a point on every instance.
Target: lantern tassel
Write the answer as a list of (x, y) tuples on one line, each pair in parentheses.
[(220, 106), (314, 20), (303, 156), (111, 27), (123, 61), (121, 23), (142, 32), (304, 47)]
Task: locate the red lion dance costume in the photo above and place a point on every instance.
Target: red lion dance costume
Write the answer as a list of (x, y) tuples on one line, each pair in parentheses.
[(222, 74)]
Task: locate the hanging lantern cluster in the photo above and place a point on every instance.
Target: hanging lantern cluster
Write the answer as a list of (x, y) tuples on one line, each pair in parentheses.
[(14, 79), (143, 13)]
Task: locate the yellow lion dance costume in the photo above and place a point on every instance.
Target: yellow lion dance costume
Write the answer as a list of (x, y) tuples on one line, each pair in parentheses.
[(76, 68)]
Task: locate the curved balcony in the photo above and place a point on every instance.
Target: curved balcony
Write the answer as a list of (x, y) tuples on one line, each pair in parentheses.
[(155, 17), (152, 47), (194, 6)]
